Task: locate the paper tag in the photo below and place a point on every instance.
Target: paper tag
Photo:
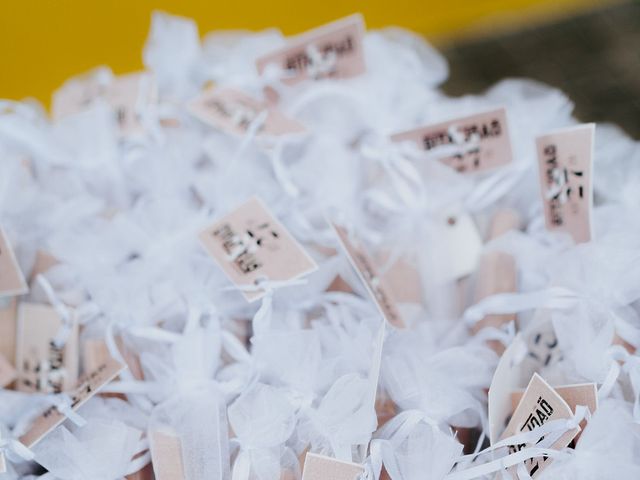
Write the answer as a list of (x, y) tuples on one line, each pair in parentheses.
[(88, 387), (459, 245), (470, 144), (250, 244), (7, 372), (319, 467), (95, 352), (234, 111), (8, 329), (127, 95), (43, 367), (78, 93), (334, 50), (540, 404), (565, 158), (12, 280), (585, 394), (375, 285), (166, 455), (3, 463), (527, 353), (403, 279), (497, 273)]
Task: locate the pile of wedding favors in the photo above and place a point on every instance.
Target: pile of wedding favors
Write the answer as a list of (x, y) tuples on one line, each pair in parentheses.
[(284, 258)]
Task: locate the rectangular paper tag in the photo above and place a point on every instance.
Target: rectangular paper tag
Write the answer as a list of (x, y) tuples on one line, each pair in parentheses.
[(469, 144), (320, 467), (8, 329), (250, 244), (166, 455), (234, 111), (375, 285), (88, 387), (334, 50), (43, 367), (12, 280), (540, 404), (127, 94), (7, 372), (579, 394), (565, 158)]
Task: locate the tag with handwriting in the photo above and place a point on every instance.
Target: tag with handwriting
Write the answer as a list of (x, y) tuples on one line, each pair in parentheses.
[(12, 280), (250, 245), (334, 50), (234, 111), (320, 467), (565, 158), (470, 144), (42, 366), (87, 388), (375, 285), (540, 404)]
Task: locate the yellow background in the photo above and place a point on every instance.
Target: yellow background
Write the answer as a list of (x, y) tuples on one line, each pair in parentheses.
[(43, 42)]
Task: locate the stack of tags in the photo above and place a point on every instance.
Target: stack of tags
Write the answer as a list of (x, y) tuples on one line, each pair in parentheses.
[(270, 258)]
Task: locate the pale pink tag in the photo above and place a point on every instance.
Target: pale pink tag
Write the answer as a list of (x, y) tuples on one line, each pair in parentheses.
[(128, 95), (470, 144), (565, 158), (8, 330), (12, 280), (251, 245), (540, 404), (334, 50), (78, 93), (88, 387), (234, 111), (166, 455), (7, 372), (43, 367), (320, 467), (376, 286)]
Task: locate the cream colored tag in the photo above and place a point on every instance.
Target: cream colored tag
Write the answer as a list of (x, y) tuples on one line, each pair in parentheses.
[(43, 367), (166, 455), (319, 467), (12, 280), (540, 404), (88, 387), (375, 285), (250, 244)]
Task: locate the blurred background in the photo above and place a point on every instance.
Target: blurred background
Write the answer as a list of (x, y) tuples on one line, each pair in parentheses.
[(588, 48)]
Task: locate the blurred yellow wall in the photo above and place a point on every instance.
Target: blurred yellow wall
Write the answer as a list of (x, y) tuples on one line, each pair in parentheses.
[(43, 42)]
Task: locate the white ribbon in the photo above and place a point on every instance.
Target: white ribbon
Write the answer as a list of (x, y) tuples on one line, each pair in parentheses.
[(61, 309), (62, 402), (551, 431)]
